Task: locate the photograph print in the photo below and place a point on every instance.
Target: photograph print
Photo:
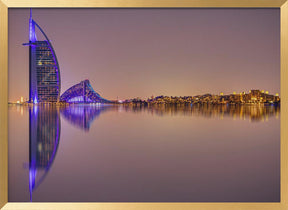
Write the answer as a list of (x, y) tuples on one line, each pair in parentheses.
[(144, 105)]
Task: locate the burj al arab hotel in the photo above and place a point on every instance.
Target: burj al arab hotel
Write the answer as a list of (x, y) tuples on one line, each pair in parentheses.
[(44, 71)]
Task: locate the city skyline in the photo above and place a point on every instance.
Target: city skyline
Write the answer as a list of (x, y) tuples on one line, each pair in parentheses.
[(143, 60)]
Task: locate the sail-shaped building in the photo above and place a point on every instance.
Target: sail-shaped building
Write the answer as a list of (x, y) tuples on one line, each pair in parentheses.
[(44, 72)]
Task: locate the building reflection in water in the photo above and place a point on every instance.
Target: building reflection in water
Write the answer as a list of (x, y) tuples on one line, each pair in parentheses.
[(44, 136), (82, 116), (253, 113), (44, 125)]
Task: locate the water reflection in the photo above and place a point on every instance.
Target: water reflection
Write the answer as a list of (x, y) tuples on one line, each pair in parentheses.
[(44, 136), (82, 116), (253, 113), (44, 125)]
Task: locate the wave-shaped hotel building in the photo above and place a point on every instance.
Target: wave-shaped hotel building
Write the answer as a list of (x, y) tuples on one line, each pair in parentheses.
[(44, 74)]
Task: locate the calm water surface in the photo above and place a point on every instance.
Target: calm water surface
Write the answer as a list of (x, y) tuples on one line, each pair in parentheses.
[(144, 154)]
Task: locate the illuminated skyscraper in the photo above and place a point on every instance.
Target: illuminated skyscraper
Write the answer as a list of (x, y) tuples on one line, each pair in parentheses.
[(44, 73)]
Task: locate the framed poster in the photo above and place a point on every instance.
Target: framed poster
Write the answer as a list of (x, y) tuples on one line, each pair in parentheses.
[(153, 106)]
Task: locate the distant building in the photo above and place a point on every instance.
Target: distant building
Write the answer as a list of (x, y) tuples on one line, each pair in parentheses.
[(82, 93)]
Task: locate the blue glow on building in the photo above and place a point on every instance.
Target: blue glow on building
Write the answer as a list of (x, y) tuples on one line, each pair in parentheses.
[(44, 73), (32, 34), (82, 93), (79, 99)]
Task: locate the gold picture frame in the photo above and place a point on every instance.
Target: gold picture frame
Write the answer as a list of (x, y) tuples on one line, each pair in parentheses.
[(6, 4)]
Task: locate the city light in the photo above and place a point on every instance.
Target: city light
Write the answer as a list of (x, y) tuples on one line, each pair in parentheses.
[(49, 90), (35, 100), (253, 97)]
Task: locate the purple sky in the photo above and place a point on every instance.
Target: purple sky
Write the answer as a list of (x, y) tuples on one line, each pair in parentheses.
[(127, 53)]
